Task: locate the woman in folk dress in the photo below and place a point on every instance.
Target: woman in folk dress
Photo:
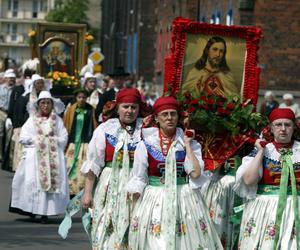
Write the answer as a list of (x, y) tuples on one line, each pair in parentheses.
[(40, 184), (109, 160), (80, 122), (167, 175), (269, 179)]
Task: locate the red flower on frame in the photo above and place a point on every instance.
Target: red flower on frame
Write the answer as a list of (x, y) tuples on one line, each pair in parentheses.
[(194, 102), (210, 101), (204, 106), (220, 104), (203, 98), (191, 109), (223, 112), (230, 106)]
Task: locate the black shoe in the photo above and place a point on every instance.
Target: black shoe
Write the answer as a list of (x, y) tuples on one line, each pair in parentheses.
[(32, 217), (44, 219)]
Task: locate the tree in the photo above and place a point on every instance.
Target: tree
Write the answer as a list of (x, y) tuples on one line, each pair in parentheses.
[(69, 11)]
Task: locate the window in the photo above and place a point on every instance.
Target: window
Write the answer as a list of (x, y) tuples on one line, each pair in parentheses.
[(14, 32), (229, 18), (218, 18), (42, 5), (14, 8), (35, 5), (212, 19)]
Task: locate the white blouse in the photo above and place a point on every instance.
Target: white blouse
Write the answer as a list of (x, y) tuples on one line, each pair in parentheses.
[(29, 132), (139, 176), (96, 149), (270, 153)]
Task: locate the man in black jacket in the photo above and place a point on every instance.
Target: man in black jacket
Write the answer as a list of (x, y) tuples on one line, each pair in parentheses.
[(119, 76)]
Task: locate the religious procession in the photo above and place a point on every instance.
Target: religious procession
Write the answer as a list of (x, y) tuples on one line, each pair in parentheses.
[(198, 156)]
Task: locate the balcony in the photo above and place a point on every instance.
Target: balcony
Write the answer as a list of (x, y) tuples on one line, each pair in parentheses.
[(16, 40), (23, 16)]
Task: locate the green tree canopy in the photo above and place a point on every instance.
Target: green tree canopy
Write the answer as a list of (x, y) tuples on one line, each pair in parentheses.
[(69, 11)]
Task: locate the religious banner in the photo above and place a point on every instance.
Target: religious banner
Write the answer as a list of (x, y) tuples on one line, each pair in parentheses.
[(213, 72), (60, 47)]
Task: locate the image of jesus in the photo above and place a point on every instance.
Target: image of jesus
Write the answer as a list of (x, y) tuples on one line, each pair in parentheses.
[(211, 74)]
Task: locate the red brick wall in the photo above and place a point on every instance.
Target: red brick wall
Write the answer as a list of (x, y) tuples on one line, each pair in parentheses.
[(147, 39), (279, 53), (280, 47)]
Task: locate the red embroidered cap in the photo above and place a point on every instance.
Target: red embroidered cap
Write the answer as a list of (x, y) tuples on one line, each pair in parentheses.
[(165, 102), (282, 113), (128, 95)]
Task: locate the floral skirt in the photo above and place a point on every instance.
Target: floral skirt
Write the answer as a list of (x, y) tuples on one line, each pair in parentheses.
[(102, 233), (219, 198), (194, 229), (76, 184), (16, 149), (258, 224)]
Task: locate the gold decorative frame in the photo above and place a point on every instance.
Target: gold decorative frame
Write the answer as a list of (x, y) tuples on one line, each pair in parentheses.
[(72, 34)]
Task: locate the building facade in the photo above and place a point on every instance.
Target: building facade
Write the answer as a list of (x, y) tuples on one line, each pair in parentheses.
[(128, 36), (279, 51), (137, 34), (17, 18)]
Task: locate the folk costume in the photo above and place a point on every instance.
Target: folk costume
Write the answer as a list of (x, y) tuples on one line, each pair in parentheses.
[(5, 123), (110, 159), (94, 95), (20, 115), (40, 183), (271, 214), (170, 213), (80, 123), (218, 195)]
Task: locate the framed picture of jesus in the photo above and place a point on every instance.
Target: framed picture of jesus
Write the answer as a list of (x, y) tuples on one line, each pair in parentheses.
[(213, 59)]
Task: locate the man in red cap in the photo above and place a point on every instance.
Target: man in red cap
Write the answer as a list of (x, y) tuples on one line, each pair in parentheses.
[(268, 178)]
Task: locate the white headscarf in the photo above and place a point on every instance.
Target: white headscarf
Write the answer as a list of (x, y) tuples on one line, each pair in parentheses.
[(58, 105)]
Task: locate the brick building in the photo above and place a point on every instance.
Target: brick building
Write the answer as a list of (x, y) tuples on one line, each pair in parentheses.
[(128, 35), (279, 51)]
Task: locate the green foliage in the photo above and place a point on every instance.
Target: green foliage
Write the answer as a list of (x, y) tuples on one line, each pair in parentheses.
[(216, 114), (69, 11)]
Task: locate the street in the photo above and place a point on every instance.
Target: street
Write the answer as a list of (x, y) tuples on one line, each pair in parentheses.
[(18, 232)]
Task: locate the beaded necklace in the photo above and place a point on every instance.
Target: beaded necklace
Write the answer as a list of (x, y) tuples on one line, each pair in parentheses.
[(128, 127), (165, 142)]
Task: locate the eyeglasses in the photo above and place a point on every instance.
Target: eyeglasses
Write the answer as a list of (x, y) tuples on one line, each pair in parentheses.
[(280, 125), (165, 115)]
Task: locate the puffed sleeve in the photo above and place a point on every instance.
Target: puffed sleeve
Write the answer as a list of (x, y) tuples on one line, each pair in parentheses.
[(188, 166), (96, 153), (27, 133), (62, 134), (241, 189), (139, 178)]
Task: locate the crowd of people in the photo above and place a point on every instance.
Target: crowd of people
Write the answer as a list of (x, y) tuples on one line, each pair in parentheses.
[(122, 152)]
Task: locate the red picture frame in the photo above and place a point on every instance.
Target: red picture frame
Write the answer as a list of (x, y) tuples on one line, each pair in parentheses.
[(239, 49), (183, 27)]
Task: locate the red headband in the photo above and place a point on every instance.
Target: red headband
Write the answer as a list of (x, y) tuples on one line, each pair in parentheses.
[(281, 113), (165, 102), (128, 95)]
